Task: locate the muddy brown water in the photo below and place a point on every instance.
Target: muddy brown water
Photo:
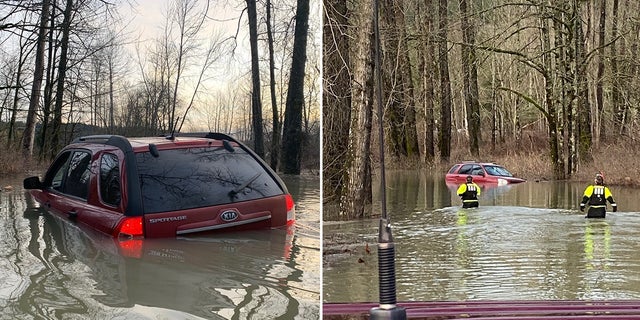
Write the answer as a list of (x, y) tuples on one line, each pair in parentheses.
[(526, 241), (53, 269)]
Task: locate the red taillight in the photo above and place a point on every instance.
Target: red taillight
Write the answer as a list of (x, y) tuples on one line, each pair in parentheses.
[(291, 209), (130, 227)]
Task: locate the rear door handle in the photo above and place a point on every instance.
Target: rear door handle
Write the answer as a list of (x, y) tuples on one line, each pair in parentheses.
[(72, 214)]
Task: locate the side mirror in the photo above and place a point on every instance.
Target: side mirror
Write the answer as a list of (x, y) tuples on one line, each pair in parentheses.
[(32, 183)]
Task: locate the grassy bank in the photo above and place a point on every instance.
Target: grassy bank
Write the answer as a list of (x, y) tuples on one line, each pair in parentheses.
[(12, 163)]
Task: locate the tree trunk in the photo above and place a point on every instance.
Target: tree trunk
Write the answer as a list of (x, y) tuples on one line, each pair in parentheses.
[(38, 74), (352, 206), (336, 105), (256, 101), (470, 79), (583, 108), (275, 134), (552, 114), (56, 125), (292, 127), (600, 132), (428, 69), (616, 95), (445, 85)]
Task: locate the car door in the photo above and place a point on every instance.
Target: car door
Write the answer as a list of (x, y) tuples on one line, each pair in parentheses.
[(70, 192), (68, 184)]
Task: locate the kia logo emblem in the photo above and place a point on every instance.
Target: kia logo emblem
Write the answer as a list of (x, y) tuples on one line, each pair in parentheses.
[(229, 215)]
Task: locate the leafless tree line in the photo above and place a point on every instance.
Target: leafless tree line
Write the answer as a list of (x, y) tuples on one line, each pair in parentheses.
[(67, 69), (495, 71)]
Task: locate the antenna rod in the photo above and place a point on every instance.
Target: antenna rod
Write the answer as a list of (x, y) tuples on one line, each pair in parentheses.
[(386, 248)]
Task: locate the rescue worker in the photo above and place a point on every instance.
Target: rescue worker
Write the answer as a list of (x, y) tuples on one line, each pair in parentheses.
[(469, 193), (597, 196)]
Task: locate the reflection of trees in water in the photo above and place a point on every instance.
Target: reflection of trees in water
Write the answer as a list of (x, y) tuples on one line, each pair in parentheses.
[(72, 274), (411, 190), (58, 285)]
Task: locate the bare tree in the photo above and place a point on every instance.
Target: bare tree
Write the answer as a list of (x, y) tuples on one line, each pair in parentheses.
[(336, 106), (470, 77), (360, 55), (29, 131), (275, 134), (256, 101), (444, 141), (292, 128)]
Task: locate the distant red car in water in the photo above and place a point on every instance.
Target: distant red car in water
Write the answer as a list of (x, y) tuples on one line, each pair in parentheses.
[(482, 173), (156, 187)]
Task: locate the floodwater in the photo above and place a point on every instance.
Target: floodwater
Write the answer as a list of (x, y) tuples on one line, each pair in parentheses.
[(525, 242), (53, 269)]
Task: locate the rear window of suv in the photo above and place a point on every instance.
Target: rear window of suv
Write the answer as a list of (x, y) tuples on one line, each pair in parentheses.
[(181, 179)]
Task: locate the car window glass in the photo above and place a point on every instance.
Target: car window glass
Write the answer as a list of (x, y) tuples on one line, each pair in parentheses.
[(77, 181), (110, 179), (197, 177), (453, 169), (58, 171), (498, 171), (465, 169), (477, 170)]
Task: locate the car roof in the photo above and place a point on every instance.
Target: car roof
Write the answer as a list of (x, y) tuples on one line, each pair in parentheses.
[(476, 162), (142, 143), (139, 144)]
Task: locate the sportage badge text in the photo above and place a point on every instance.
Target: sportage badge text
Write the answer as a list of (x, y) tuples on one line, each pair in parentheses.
[(168, 219)]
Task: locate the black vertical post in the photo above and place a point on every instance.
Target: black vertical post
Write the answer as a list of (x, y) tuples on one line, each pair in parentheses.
[(386, 248)]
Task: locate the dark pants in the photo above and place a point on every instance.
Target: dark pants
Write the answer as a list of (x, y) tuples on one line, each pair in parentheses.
[(596, 212), (470, 204)]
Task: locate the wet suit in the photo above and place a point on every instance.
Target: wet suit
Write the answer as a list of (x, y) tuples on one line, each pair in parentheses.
[(469, 193), (597, 196)]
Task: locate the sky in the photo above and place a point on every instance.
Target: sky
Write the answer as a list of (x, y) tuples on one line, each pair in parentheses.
[(146, 20)]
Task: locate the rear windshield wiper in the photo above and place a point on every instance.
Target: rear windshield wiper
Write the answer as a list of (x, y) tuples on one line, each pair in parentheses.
[(237, 190)]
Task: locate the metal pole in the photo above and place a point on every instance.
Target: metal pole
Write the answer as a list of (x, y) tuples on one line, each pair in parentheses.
[(386, 248)]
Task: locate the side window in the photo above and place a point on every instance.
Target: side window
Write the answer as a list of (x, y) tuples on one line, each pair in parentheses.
[(466, 169), (58, 172), (77, 182), (477, 171), (453, 169), (110, 179)]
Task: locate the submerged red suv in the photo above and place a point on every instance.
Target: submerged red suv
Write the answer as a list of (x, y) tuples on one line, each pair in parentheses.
[(482, 172), (163, 186)]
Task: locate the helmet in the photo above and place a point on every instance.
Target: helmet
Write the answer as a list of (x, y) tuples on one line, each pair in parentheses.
[(469, 179), (599, 178)]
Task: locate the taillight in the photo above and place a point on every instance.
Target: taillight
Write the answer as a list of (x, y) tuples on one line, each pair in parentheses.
[(291, 209), (130, 227)]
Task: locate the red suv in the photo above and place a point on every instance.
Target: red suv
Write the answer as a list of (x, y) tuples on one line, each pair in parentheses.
[(482, 173), (163, 186)]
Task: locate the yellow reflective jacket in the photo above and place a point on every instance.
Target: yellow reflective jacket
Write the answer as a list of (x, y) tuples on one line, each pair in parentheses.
[(597, 196), (469, 191)]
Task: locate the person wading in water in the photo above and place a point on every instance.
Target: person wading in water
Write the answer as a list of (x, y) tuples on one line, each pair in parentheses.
[(469, 193), (597, 196)]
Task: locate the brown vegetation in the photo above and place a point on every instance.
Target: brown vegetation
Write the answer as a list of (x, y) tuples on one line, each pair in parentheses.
[(12, 162)]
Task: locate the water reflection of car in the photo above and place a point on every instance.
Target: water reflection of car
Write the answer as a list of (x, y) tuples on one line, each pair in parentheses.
[(163, 186), (483, 173), (209, 276)]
